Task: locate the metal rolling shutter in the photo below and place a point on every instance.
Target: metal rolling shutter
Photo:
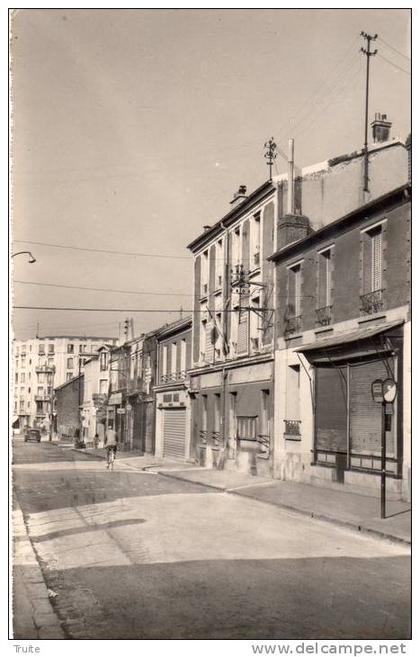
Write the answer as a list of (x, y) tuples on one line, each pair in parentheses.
[(331, 409), (174, 426), (365, 414)]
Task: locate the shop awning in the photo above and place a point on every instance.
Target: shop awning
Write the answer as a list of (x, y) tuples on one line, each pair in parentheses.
[(115, 399), (346, 338)]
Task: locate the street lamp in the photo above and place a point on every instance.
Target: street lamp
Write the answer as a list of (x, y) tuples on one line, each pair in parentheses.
[(31, 258), (384, 392)]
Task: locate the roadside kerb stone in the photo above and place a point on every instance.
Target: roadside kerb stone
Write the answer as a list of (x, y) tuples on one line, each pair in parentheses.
[(42, 619)]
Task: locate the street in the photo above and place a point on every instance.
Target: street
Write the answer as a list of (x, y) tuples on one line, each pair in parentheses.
[(135, 555)]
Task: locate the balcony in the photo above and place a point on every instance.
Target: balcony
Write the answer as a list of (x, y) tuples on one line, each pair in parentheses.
[(42, 398), (293, 325), (45, 369), (292, 429), (372, 302), (323, 316), (173, 377)]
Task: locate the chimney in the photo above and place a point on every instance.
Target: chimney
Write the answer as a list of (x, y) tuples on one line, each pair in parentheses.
[(239, 196), (381, 128)]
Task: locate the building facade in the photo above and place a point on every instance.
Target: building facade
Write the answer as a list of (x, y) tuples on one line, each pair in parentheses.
[(173, 412), (236, 294), (40, 365), (95, 395), (68, 400), (342, 321)]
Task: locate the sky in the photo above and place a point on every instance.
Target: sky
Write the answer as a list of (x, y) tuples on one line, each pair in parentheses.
[(132, 129)]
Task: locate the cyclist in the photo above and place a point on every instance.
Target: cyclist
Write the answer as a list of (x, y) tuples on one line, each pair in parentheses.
[(110, 444)]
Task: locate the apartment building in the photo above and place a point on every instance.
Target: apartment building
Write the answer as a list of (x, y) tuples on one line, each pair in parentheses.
[(173, 421), (95, 396), (343, 323), (40, 365), (236, 293)]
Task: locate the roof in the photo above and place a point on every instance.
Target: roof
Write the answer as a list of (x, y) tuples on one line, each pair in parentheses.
[(346, 338), (66, 383), (268, 186), (348, 218), (179, 325)]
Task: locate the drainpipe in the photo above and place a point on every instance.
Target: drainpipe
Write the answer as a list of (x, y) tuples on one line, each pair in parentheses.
[(226, 285)]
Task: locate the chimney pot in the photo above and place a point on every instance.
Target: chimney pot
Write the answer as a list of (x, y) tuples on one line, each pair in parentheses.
[(239, 196)]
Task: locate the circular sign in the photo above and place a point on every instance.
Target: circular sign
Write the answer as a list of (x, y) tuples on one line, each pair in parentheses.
[(389, 390)]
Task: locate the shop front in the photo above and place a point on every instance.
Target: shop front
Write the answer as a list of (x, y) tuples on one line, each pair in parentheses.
[(232, 417)]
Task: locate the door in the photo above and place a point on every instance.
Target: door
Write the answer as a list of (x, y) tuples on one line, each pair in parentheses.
[(174, 432)]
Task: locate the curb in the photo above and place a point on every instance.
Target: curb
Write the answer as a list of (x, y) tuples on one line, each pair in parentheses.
[(40, 619), (311, 514)]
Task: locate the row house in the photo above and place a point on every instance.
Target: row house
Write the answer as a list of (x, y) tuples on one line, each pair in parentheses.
[(131, 401), (237, 292), (342, 321), (173, 411), (231, 375), (68, 401), (95, 396)]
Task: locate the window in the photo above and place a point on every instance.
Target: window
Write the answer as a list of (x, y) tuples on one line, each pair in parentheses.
[(217, 415), (17, 363), (254, 324), (70, 348), (40, 391), (23, 350), (294, 291), (247, 427), (219, 264), (69, 376), (205, 273), (41, 349), (21, 404), (292, 421), (17, 350), (16, 377), (103, 361), (174, 352), (372, 297), (28, 404), (22, 391), (22, 377), (50, 362), (51, 348), (183, 364), (82, 348), (70, 363), (103, 386), (15, 406), (203, 339), (204, 417), (323, 310), (236, 246), (29, 391), (49, 378), (255, 241), (41, 377), (164, 360)]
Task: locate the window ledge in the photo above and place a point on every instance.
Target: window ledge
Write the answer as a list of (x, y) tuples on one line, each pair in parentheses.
[(295, 439), (372, 318), (323, 329)]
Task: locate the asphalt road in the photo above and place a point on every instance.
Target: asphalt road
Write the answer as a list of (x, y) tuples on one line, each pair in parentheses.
[(134, 555)]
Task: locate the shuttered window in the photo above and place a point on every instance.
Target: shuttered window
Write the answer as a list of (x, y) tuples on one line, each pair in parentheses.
[(365, 414), (331, 409), (324, 279), (294, 290), (243, 330), (372, 259)]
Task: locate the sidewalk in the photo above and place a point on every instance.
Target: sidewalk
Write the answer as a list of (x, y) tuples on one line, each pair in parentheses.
[(36, 618), (358, 512)]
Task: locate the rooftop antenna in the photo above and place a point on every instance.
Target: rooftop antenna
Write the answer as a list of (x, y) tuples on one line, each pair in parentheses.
[(270, 154)]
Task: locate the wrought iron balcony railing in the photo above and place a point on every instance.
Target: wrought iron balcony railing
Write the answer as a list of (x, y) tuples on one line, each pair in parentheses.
[(292, 427), (323, 315), (372, 302), (210, 437), (293, 325), (173, 376)]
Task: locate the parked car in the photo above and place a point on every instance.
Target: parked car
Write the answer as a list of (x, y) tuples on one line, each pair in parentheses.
[(33, 434)]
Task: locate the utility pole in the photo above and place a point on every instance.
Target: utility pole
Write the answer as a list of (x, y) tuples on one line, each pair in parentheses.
[(270, 154), (369, 53)]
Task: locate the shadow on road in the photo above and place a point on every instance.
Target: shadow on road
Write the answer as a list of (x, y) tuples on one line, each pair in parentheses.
[(113, 524)]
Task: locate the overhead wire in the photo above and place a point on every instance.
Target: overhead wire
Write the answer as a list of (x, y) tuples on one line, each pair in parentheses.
[(108, 251), (398, 52), (103, 289), (394, 64)]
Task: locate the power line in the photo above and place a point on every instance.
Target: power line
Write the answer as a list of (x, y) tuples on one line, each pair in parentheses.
[(395, 65), (105, 310), (394, 49), (109, 251), (104, 289)]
